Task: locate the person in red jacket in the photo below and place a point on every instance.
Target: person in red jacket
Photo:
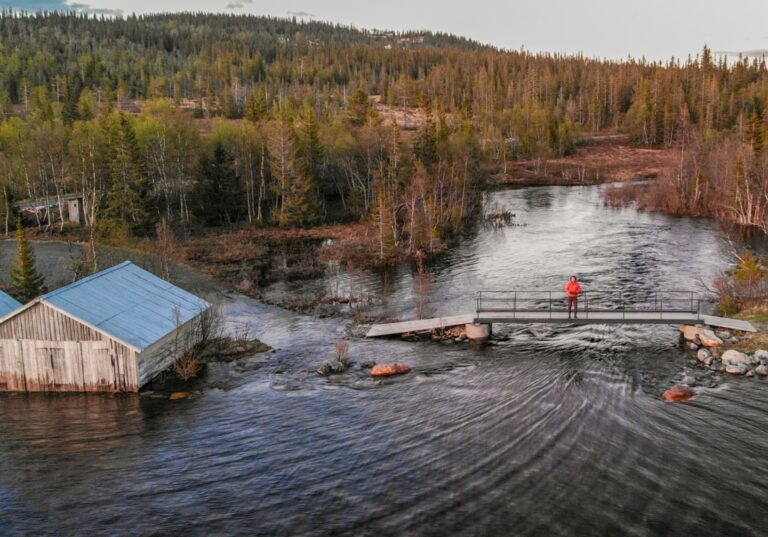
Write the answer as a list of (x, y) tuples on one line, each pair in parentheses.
[(573, 289)]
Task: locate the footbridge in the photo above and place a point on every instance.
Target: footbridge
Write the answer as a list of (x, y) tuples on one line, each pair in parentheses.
[(551, 307)]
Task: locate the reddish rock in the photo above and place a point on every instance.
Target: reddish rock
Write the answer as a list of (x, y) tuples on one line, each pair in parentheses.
[(387, 370), (678, 394), (709, 339)]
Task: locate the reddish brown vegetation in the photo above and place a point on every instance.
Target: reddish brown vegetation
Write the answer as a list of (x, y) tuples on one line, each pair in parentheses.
[(604, 159), (724, 178)]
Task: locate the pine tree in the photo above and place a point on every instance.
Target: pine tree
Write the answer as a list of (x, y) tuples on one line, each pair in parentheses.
[(27, 282)]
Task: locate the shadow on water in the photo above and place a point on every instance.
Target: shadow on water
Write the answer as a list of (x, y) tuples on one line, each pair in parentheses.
[(550, 430)]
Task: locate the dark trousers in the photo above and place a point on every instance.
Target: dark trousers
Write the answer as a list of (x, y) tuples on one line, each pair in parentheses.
[(573, 305)]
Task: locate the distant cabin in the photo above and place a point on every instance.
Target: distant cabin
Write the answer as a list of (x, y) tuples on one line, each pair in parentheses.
[(111, 332), (52, 209), (8, 304)]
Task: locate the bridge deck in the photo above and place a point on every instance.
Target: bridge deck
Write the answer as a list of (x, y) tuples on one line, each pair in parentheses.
[(559, 317), (403, 327)]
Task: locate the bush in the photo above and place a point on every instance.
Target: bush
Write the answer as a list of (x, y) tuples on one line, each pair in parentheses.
[(187, 366), (339, 364)]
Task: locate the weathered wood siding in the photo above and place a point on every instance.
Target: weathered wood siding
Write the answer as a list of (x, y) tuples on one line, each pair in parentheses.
[(161, 354), (66, 366), (41, 322), (44, 350)]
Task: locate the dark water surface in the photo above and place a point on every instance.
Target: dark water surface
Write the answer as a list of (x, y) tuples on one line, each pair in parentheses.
[(551, 431)]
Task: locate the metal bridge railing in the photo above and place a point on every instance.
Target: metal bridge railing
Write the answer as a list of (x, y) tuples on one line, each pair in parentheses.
[(551, 302)]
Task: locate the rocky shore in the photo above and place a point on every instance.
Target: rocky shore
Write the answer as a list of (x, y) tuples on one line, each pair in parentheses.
[(712, 354)]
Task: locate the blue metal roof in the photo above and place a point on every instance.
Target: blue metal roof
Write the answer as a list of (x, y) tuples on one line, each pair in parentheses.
[(128, 303), (8, 304)]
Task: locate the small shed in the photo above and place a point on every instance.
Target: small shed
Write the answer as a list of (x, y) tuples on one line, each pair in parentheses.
[(111, 332), (50, 209), (8, 304)]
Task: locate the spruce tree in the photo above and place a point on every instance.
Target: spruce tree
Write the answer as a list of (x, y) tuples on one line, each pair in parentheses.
[(27, 282), (218, 194), (300, 202), (129, 199)]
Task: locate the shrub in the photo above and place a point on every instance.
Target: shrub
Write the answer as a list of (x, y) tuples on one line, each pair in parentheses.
[(187, 366)]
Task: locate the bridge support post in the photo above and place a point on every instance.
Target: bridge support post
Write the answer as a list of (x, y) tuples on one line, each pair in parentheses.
[(478, 331)]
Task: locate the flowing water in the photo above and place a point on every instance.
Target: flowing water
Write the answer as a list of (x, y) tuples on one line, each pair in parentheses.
[(552, 430)]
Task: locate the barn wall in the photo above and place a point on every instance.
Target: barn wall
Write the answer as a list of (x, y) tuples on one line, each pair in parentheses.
[(160, 355), (66, 366), (45, 323), (42, 350)]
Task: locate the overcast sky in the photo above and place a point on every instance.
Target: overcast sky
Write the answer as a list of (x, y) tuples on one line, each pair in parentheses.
[(656, 29)]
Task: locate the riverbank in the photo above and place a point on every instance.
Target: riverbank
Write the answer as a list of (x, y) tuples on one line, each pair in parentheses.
[(598, 160)]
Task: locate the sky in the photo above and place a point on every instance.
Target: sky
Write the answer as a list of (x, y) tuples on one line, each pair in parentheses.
[(615, 29)]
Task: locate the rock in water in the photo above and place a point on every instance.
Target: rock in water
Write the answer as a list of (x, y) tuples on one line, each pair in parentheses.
[(762, 370), (688, 380), (705, 356), (734, 357), (736, 369), (678, 394), (709, 339), (762, 355), (691, 346), (387, 370), (750, 373), (691, 333)]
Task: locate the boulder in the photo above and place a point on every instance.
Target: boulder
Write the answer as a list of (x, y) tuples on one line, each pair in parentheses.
[(691, 333), (734, 357), (749, 373), (736, 369), (755, 360), (762, 355), (705, 356), (723, 334), (387, 370), (678, 394), (691, 346), (478, 331), (762, 370), (709, 339)]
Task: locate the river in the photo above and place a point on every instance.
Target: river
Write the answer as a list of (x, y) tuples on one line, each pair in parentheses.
[(548, 431)]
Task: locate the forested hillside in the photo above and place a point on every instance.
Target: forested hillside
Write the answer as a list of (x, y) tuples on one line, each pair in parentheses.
[(208, 120)]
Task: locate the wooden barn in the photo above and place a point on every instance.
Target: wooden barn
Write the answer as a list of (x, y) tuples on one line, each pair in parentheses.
[(111, 332)]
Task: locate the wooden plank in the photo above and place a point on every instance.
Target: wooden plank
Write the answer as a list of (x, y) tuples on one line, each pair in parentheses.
[(12, 377), (38, 367), (99, 361), (731, 324), (67, 365), (418, 325)]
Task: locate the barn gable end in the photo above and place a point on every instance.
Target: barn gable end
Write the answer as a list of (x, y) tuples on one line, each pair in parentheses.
[(42, 349)]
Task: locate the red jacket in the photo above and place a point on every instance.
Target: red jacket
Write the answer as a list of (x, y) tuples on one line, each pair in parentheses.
[(573, 288)]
